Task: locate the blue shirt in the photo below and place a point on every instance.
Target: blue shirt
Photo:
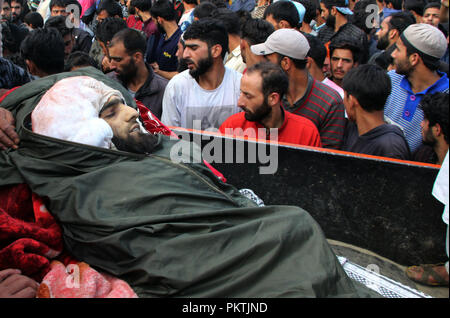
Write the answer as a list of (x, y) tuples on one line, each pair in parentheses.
[(401, 106), (163, 51)]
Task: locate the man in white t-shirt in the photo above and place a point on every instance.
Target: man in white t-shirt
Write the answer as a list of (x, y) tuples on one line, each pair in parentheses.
[(430, 274), (206, 94)]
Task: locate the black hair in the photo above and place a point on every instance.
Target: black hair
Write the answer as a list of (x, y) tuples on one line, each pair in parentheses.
[(415, 5), (143, 5), (431, 63), (347, 44), (400, 21), (45, 48), (108, 28), (283, 10), (34, 19), (396, 4), (431, 4), (256, 31), (217, 3), (111, 7), (79, 59), (204, 10), (435, 110), (163, 9), (229, 18), (59, 23), (360, 16), (310, 10), (75, 2), (208, 30), (57, 3), (370, 85), (132, 40), (274, 79), (12, 37), (317, 50), (299, 64)]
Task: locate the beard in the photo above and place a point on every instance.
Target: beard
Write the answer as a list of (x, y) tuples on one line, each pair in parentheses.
[(428, 139), (331, 21), (160, 28), (260, 114), (203, 66), (139, 143), (128, 72), (403, 68), (383, 42)]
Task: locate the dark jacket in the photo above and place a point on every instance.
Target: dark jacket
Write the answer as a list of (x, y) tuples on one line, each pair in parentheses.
[(151, 93)]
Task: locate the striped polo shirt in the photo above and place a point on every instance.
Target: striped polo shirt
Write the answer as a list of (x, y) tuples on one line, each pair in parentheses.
[(325, 108), (402, 106)]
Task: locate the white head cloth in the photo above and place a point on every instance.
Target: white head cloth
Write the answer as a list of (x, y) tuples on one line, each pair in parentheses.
[(70, 109)]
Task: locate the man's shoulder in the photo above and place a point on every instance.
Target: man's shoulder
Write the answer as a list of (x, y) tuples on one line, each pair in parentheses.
[(183, 78), (234, 121), (327, 93), (233, 75), (299, 122)]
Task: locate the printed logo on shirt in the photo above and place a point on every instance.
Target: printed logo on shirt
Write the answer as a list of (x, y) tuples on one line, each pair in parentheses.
[(166, 54)]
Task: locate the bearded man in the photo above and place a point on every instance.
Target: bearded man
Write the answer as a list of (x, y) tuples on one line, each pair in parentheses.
[(126, 53), (206, 94), (169, 229)]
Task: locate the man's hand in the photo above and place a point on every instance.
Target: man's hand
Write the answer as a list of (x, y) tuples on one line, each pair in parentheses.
[(106, 65), (155, 67), (14, 285), (8, 136)]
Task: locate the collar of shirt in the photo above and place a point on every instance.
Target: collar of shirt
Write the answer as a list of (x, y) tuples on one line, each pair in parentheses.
[(440, 85), (302, 100), (286, 116)]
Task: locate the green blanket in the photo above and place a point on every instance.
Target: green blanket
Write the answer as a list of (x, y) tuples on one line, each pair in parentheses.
[(168, 229)]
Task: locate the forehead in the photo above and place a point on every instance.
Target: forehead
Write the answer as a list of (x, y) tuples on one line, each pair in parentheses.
[(195, 42), (6, 5), (103, 14), (343, 53), (16, 3), (432, 11), (251, 82), (117, 49)]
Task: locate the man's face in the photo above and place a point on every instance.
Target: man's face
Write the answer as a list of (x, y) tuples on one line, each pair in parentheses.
[(69, 42), (102, 16), (198, 57), (272, 58), (349, 107), (127, 134), (121, 62), (383, 35), (427, 133), (341, 63), (252, 100), (432, 16), (330, 20), (402, 64), (247, 55), (16, 10), (272, 21), (6, 11), (57, 11)]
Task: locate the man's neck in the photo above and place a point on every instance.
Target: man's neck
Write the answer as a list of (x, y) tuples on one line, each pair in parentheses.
[(213, 77), (141, 77), (336, 81), (306, 28), (340, 21), (145, 16), (316, 73), (298, 84), (422, 78), (275, 120), (233, 42), (441, 149), (188, 6), (170, 27), (368, 121)]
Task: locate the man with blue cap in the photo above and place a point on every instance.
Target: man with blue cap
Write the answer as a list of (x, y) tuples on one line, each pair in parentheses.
[(336, 14)]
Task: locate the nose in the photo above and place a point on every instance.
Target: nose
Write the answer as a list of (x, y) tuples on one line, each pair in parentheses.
[(131, 114), (240, 101), (339, 64)]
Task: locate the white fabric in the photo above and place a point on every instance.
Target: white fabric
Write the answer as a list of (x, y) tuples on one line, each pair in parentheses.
[(234, 60), (334, 86), (185, 101), (80, 122), (440, 192)]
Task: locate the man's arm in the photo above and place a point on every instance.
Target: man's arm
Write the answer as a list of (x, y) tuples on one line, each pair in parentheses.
[(8, 135), (14, 285), (170, 114)]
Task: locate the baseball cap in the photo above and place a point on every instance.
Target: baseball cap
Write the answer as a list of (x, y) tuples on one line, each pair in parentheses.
[(287, 42), (341, 6)]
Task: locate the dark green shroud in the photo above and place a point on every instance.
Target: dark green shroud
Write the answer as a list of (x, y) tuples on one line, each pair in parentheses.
[(169, 229)]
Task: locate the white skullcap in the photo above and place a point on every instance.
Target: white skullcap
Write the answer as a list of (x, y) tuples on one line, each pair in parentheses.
[(70, 109)]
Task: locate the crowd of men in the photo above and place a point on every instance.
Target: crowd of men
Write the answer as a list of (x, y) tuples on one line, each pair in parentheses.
[(367, 76)]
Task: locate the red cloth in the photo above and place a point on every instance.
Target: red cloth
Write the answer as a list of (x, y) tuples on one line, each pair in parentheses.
[(29, 235), (134, 23), (295, 129)]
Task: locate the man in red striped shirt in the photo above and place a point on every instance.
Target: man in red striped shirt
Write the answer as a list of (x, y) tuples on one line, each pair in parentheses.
[(306, 96), (263, 117)]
